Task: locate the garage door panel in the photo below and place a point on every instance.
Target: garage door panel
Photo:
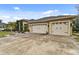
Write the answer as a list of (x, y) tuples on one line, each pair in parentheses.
[(59, 29), (39, 28)]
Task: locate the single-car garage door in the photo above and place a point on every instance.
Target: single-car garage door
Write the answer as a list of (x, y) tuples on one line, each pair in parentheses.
[(40, 28), (60, 28)]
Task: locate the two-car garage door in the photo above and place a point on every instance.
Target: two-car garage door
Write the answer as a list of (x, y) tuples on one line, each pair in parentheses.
[(40, 28), (59, 28)]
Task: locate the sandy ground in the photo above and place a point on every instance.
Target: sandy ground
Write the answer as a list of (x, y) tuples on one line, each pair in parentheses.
[(37, 44)]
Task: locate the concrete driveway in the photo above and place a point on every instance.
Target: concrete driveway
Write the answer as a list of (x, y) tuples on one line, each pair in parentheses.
[(38, 44)]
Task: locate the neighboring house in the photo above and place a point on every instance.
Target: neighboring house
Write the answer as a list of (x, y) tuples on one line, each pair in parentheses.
[(56, 25), (2, 26)]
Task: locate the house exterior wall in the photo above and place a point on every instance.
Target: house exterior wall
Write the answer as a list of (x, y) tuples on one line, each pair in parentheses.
[(57, 26), (24, 25), (66, 27), (21, 24)]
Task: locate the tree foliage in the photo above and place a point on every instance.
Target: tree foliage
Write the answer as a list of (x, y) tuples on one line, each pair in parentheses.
[(11, 26), (76, 25), (76, 21)]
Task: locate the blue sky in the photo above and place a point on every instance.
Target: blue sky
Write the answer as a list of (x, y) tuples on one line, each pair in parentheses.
[(13, 12)]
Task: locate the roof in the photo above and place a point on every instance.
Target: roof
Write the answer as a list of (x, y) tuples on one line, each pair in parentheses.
[(26, 20), (51, 18)]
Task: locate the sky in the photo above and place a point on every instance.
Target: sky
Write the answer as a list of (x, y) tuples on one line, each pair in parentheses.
[(13, 12)]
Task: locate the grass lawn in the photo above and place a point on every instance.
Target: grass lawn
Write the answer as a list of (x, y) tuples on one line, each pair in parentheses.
[(4, 33)]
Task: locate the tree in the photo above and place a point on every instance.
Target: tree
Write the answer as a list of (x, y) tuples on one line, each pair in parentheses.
[(11, 26), (76, 25), (76, 21)]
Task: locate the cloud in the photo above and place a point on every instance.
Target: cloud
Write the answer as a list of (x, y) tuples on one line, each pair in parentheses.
[(17, 18), (4, 17), (16, 8), (51, 12), (68, 14), (48, 12)]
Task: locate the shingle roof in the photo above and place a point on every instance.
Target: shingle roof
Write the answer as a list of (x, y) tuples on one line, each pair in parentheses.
[(52, 18)]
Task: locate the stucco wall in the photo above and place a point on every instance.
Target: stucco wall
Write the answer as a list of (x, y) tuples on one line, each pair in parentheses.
[(49, 24)]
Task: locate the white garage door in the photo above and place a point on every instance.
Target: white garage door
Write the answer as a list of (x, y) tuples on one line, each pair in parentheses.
[(39, 28), (60, 28)]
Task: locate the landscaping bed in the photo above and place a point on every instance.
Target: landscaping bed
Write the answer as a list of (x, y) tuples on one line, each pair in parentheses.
[(5, 33)]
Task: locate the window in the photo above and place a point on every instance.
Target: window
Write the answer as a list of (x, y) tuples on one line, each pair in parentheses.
[(52, 23), (60, 22), (65, 22), (57, 23)]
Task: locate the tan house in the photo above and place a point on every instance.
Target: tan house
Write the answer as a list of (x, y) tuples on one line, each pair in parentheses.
[(56, 25)]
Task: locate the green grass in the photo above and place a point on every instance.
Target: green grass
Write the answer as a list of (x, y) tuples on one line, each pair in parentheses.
[(4, 33)]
